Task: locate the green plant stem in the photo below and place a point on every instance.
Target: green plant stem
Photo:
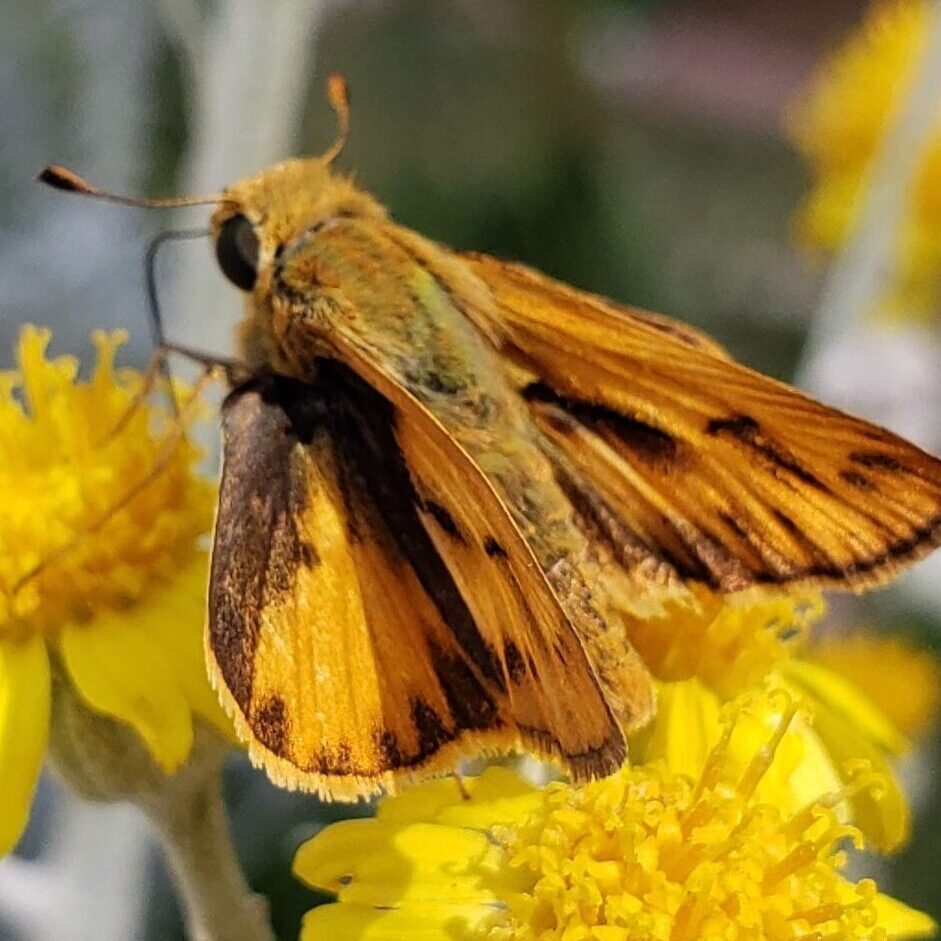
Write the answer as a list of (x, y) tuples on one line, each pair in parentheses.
[(857, 277), (218, 904), (104, 760)]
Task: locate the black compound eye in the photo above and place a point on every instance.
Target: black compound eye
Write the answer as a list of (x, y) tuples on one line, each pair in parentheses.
[(237, 252)]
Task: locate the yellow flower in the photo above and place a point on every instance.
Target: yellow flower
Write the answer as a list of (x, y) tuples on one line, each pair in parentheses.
[(705, 654), (644, 854), (111, 601), (903, 681), (838, 126), (728, 643)]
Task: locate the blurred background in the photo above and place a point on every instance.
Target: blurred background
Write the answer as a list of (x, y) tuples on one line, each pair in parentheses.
[(709, 160)]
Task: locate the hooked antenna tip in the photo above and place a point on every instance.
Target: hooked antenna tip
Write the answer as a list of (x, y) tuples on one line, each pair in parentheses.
[(339, 97), (338, 91)]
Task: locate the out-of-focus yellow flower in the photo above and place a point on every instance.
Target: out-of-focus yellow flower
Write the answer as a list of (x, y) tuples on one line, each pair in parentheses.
[(902, 680), (113, 600), (729, 644), (644, 854), (703, 655), (838, 126)]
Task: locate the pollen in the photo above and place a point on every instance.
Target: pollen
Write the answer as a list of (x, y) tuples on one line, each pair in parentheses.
[(98, 499)]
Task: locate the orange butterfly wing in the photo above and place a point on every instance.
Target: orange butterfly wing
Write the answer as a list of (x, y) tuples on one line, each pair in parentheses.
[(374, 614), (695, 468)]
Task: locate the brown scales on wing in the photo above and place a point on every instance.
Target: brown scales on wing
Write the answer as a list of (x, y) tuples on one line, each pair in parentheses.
[(412, 653), (722, 475)]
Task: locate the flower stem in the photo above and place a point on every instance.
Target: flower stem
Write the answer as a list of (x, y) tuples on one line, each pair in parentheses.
[(857, 276), (218, 903), (104, 760)]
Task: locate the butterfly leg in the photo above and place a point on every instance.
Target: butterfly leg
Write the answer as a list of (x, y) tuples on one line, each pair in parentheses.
[(155, 368), (235, 371), (461, 786)]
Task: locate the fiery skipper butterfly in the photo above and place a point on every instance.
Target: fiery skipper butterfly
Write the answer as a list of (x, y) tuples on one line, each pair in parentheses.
[(448, 474)]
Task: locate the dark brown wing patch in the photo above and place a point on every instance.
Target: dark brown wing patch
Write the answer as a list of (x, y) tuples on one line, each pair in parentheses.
[(361, 423), (256, 541), (346, 641), (695, 468), (441, 516)]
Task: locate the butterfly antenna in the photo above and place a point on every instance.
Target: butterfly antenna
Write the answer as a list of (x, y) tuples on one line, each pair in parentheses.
[(62, 179), (153, 300), (339, 97)]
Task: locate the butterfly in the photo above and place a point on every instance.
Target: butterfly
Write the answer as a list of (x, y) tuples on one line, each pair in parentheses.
[(447, 478)]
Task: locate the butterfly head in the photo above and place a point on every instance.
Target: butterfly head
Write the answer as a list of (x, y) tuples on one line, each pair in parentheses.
[(261, 216)]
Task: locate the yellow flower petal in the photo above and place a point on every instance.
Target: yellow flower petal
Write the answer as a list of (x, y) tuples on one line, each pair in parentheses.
[(688, 725), (901, 921), (842, 697), (809, 766), (498, 794), (838, 125), (178, 629), (119, 670), (380, 863), (424, 921), (901, 679), (853, 730), (25, 701), (397, 879), (429, 802), (882, 814), (685, 729)]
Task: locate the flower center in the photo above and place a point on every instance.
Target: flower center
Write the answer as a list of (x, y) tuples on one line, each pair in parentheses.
[(98, 499), (655, 855)]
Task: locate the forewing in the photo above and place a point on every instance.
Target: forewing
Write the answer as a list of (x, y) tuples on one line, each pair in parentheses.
[(356, 632), (695, 468)]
